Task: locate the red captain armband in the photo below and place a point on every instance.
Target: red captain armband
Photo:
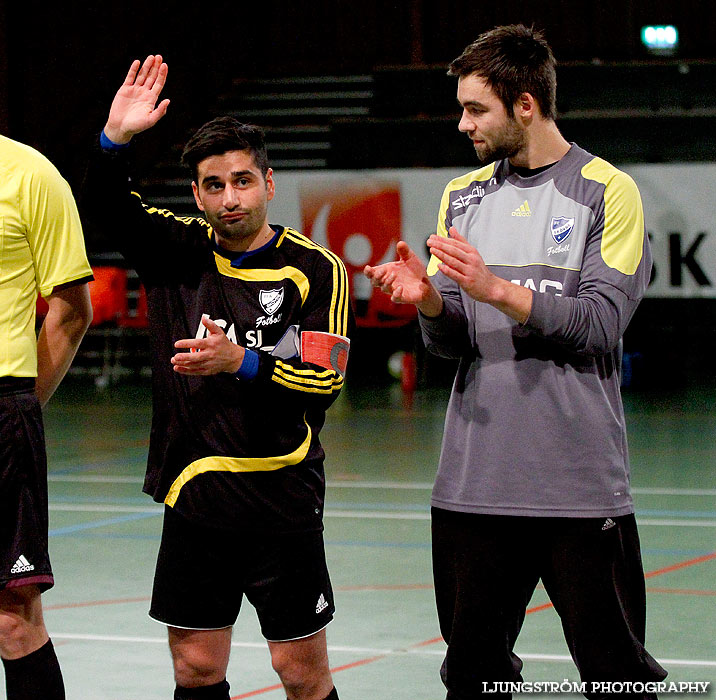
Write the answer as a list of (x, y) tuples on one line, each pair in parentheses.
[(325, 350)]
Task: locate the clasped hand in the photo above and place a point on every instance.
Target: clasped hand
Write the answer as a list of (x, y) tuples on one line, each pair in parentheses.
[(407, 281), (404, 279), (210, 355), (463, 264)]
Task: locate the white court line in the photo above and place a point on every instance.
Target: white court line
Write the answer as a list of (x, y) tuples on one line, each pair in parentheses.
[(397, 485), (376, 514), (95, 479), (371, 651), (104, 508), (158, 509), (411, 485), (658, 491), (427, 486), (102, 479), (388, 515), (675, 523), (558, 658), (356, 514)]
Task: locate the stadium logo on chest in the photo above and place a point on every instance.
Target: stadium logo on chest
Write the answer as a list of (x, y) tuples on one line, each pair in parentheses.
[(270, 300)]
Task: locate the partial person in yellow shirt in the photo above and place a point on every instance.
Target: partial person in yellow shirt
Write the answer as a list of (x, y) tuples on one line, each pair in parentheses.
[(42, 252)]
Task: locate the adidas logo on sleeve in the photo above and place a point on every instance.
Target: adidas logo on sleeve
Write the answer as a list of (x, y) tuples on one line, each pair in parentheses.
[(21, 566)]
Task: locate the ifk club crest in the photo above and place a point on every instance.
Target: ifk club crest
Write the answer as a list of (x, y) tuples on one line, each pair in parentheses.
[(560, 227), (271, 300)]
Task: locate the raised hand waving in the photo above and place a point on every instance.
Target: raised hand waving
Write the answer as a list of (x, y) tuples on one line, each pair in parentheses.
[(134, 108)]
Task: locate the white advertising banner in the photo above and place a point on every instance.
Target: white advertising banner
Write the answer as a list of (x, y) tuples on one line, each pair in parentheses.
[(361, 214), (680, 212)]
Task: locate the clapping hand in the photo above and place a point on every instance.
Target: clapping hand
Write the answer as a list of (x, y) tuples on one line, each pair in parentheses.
[(406, 280)]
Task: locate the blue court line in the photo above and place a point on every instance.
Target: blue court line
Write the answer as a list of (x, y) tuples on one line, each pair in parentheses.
[(143, 499), (427, 545), (81, 530), (79, 527)]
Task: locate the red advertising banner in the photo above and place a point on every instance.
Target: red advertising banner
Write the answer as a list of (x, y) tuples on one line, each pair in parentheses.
[(361, 222)]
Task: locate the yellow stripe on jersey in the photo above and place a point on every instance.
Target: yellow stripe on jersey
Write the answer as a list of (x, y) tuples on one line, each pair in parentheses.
[(167, 214), (623, 235), (308, 390), (335, 388), (308, 380), (265, 275), (237, 465), (459, 183), (283, 235), (338, 314)]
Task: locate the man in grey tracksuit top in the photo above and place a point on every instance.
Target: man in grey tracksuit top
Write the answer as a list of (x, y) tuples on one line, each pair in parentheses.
[(538, 264), (573, 234)]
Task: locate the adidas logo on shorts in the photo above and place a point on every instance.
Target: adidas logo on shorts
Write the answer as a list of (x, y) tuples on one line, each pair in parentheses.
[(608, 524), (322, 604), (21, 566)]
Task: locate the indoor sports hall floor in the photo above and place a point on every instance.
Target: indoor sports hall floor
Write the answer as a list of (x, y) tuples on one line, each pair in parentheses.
[(384, 643)]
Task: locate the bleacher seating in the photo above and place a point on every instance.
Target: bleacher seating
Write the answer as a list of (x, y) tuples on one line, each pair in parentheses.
[(114, 344), (626, 112)]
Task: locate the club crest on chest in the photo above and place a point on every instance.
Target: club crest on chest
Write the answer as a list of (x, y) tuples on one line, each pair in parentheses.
[(560, 227), (271, 300)]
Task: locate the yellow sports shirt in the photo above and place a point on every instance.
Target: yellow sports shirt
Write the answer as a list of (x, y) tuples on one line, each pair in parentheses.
[(41, 247)]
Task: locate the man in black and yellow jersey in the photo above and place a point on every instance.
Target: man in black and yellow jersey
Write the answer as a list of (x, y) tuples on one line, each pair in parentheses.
[(249, 326), (41, 251)]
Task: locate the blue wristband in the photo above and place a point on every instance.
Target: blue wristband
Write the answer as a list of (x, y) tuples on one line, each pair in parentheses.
[(249, 365), (108, 145)]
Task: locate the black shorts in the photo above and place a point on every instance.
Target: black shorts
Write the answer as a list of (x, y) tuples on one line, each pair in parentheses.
[(203, 573), (24, 559)]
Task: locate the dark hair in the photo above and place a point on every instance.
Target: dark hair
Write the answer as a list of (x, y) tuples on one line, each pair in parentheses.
[(512, 59), (221, 135)]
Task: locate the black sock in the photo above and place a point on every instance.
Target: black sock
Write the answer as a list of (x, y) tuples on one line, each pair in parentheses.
[(34, 676), (333, 695), (218, 691)]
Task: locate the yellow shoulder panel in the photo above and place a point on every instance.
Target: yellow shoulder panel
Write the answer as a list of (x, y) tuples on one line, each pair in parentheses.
[(265, 275), (458, 183), (623, 235)]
